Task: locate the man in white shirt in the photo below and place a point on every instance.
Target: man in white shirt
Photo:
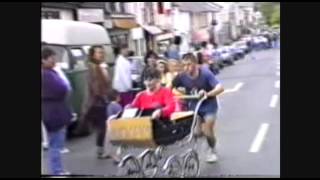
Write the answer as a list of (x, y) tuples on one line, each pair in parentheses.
[(122, 81)]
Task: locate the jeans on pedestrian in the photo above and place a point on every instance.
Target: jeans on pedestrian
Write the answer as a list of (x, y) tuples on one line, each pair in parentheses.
[(56, 143)]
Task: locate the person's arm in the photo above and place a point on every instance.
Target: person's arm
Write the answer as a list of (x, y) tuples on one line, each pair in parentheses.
[(218, 88), (169, 79), (176, 86), (170, 104), (136, 103)]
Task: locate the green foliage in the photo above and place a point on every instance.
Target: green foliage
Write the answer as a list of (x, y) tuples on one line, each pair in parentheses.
[(271, 11)]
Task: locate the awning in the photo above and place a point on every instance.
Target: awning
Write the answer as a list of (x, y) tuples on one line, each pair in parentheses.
[(125, 23), (197, 7), (200, 35), (152, 29), (162, 37)]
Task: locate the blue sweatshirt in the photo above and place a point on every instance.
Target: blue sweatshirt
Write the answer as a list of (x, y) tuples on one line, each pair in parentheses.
[(55, 111)]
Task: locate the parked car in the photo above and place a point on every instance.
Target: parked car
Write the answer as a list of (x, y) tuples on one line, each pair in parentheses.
[(242, 46), (216, 54), (226, 55), (236, 52)]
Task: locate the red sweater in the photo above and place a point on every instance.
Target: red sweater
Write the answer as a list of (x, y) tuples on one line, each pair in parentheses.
[(163, 99)]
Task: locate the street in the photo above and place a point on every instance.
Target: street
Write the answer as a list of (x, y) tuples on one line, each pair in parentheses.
[(248, 126)]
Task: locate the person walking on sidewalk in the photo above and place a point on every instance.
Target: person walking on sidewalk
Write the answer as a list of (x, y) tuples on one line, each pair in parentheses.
[(56, 113), (99, 86)]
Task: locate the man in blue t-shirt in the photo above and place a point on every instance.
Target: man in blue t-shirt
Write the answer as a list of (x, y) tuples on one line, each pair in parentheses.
[(200, 80)]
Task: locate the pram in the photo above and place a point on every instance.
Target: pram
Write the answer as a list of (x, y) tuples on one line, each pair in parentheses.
[(155, 136)]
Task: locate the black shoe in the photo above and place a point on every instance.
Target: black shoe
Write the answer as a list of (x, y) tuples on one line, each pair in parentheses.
[(103, 156)]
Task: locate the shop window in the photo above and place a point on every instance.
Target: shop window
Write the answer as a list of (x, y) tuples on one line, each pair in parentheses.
[(50, 14)]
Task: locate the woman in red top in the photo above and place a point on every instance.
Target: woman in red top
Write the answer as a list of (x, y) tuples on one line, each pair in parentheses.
[(156, 97)]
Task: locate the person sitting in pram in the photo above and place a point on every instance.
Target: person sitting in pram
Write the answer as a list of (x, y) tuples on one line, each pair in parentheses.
[(156, 98), (160, 103)]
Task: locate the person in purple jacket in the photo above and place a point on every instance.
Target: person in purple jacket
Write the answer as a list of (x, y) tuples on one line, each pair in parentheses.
[(56, 113)]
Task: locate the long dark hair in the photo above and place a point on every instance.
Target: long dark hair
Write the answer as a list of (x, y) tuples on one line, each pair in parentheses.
[(148, 55), (166, 66), (92, 50)]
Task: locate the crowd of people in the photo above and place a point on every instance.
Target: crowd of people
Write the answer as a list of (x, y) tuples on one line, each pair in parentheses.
[(161, 81)]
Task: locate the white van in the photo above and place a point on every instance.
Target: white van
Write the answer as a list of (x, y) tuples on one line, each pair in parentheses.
[(72, 39)]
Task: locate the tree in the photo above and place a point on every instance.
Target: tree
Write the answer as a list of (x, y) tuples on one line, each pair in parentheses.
[(275, 17), (270, 10)]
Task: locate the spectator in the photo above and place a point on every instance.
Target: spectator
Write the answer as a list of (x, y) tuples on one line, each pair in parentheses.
[(166, 75), (150, 61), (122, 81), (99, 85), (174, 52), (56, 113)]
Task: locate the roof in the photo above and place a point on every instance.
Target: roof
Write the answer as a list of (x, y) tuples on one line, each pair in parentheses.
[(198, 6), (66, 32)]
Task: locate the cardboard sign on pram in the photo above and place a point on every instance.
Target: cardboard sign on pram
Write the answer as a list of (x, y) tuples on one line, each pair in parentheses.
[(145, 132), (131, 131)]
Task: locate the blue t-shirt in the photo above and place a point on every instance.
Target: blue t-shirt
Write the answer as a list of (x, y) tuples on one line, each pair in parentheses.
[(206, 81)]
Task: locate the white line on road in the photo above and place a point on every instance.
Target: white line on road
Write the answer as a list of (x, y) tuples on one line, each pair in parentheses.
[(235, 88), (277, 84), (255, 147), (274, 101)]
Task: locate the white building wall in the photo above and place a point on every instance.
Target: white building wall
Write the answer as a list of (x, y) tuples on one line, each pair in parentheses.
[(64, 13)]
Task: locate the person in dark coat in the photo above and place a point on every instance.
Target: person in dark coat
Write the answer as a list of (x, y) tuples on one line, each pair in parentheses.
[(56, 113)]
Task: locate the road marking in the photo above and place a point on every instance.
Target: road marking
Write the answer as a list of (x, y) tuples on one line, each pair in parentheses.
[(234, 89), (255, 146), (277, 84), (274, 101), (278, 73)]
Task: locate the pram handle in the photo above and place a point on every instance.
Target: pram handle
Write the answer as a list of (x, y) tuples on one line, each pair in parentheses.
[(188, 97), (194, 121)]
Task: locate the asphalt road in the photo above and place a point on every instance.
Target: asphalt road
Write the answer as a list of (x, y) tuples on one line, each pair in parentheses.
[(248, 127)]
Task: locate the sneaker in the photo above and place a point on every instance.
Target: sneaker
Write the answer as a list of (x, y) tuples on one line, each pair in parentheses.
[(64, 150), (45, 146), (211, 157)]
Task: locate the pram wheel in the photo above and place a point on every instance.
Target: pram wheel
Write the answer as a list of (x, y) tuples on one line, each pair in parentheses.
[(173, 167), (148, 162), (129, 166), (191, 164)]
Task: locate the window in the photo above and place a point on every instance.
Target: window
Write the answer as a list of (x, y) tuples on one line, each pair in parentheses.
[(122, 7), (119, 40), (148, 13), (50, 14), (113, 7), (118, 7), (160, 8)]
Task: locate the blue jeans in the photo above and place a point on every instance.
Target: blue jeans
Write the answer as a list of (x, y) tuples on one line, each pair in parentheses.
[(56, 143)]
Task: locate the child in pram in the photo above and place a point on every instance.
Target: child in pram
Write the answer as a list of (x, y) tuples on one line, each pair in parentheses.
[(160, 103)]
